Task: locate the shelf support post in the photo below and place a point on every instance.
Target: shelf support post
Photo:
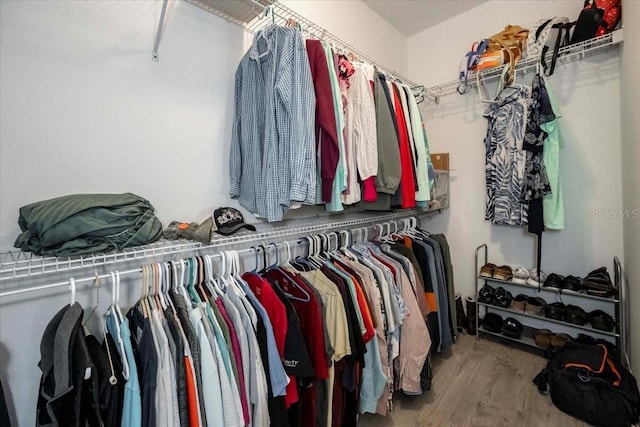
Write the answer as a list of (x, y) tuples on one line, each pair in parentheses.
[(155, 55)]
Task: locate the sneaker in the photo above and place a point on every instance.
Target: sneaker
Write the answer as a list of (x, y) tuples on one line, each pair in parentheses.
[(560, 340), (555, 311), (601, 320), (502, 273), (536, 279), (571, 283), (518, 302), (512, 328), (553, 281), (492, 322), (485, 294), (576, 315), (598, 283), (534, 306), (520, 275), (487, 270), (502, 297), (542, 337)]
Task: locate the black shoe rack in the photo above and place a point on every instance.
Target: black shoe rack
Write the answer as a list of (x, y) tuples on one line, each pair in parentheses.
[(616, 306)]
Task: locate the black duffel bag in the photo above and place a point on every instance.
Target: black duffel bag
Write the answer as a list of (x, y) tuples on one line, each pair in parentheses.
[(589, 383)]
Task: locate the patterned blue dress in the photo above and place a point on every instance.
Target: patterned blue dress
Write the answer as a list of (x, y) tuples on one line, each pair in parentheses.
[(505, 160)]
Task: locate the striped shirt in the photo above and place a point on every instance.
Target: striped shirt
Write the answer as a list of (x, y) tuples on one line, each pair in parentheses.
[(272, 156)]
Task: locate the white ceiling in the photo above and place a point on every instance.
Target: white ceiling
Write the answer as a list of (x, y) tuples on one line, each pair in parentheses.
[(412, 16)]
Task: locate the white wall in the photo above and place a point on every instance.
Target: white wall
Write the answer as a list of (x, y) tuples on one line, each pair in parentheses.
[(590, 159), (630, 105), (83, 108)]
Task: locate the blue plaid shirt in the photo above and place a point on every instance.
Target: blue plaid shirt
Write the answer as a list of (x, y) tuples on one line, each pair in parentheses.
[(272, 159)]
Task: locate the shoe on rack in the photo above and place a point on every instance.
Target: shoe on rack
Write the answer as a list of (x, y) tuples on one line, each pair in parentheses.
[(585, 339), (502, 297), (553, 281), (598, 283), (536, 279), (502, 273), (518, 302), (571, 283), (520, 275), (486, 294), (542, 337), (535, 306), (560, 340), (492, 322), (487, 270), (555, 311), (576, 315), (601, 321), (512, 328)]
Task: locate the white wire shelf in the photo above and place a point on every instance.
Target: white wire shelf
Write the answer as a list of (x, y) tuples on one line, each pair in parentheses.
[(18, 264), (254, 15), (566, 54), (239, 12)]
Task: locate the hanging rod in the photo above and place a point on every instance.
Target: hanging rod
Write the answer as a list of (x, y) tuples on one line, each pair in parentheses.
[(19, 264), (266, 248), (566, 54), (254, 15)]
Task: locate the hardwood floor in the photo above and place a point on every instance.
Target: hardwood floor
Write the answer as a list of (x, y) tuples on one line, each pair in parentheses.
[(484, 383)]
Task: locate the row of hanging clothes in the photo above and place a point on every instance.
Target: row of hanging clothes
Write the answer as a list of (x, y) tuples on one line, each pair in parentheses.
[(313, 126), (312, 340)]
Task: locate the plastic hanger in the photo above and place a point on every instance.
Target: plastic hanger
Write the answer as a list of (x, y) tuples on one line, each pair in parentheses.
[(190, 282), (162, 278), (209, 280), (153, 284), (143, 296), (299, 263), (316, 251), (101, 333), (178, 284), (255, 252), (72, 286), (202, 278), (234, 276), (284, 271), (114, 300), (275, 264), (264, 257), (94, 310), (150, 290), (114, 311), (168, 283)]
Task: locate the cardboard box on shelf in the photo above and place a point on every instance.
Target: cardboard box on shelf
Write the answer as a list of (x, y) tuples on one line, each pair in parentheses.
[(440, 161)]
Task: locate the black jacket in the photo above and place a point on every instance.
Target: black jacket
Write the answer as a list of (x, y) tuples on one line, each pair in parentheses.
[(68, 387)]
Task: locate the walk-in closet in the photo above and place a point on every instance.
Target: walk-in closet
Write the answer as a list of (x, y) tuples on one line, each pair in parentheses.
[(319, 213)]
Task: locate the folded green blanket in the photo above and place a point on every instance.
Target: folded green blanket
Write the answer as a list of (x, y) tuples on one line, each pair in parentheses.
[(87, 223)]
